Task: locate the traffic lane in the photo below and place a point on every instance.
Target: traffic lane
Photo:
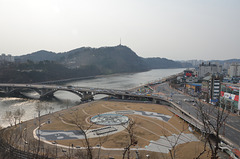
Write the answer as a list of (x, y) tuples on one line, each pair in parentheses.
[(230, 120), (232, 135), (193, 110), (233, 121)]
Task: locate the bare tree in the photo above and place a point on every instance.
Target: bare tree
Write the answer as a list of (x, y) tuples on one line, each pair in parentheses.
[(39, 107), (83, 127), (101, 141), (131, 138), (67, 103), (9, 117), (12, 136), (174, 140), (213, 119), (18, 114)]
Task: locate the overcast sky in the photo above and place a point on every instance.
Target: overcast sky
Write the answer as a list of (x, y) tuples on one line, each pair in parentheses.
[(174, 29)]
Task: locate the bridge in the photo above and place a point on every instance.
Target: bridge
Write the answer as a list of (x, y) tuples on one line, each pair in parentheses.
[(85, 93)]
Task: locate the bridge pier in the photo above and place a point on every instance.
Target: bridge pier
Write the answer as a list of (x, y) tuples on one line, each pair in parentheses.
[(44, 94), (87, 96)]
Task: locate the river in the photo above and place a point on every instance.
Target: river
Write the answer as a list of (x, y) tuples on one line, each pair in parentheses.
[(65, 99)]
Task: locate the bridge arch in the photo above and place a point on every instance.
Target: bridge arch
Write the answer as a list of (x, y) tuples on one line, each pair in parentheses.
[(16, 91), (50, 93)]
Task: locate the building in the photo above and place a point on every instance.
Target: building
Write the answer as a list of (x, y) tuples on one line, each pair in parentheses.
[(211, 88), (6, 58), (193, 88), (188, 73), (234, 70), (195, 63), (205, 89), (230, 97), (214, 91), (206, 69)]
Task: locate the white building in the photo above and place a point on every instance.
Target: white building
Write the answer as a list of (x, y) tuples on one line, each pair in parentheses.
[(234, 70), (6, 58), (208, 68)]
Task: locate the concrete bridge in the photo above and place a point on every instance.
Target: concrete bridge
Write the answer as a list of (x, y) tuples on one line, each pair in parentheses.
[(85, 93)]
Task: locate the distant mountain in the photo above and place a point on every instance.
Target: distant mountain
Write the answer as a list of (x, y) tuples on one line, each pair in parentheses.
[(41, 55), (157, 63), (226, 61)]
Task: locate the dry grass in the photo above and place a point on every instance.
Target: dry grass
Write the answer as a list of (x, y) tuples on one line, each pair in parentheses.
[(146, 128)]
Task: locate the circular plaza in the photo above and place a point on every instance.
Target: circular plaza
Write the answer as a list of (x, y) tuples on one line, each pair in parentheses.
[(109, 119)]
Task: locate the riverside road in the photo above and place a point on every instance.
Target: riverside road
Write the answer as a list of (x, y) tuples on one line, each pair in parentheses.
[(231, 130)]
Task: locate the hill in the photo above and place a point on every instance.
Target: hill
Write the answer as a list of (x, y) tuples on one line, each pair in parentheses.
[(82, 62), (119, 58), (107, 59), (41, 55)]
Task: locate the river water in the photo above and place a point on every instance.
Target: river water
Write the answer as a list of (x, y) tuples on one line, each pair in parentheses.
[(66, 99)]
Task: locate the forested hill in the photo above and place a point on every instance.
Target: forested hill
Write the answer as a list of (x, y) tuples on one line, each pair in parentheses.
[(121, 58), (45, 66), (106, 59)]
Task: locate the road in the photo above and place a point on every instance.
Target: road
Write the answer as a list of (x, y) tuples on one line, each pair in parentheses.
[(231, 130)]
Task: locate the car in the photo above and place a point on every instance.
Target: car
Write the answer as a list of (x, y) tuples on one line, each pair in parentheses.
[(69, 87), (78, 147), (63, 150)]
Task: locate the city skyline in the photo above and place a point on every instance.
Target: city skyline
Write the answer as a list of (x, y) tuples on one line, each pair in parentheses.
[(178, 30)]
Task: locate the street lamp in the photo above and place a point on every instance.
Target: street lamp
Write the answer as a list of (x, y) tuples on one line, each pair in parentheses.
[(25, 143)]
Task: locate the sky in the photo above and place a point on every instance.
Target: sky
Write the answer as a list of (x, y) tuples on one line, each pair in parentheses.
[(173, 29)]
